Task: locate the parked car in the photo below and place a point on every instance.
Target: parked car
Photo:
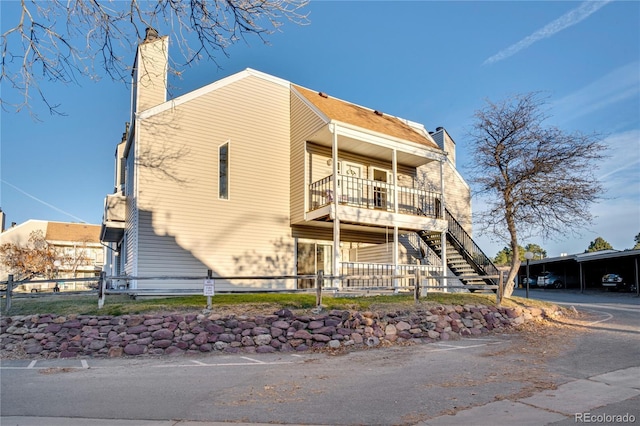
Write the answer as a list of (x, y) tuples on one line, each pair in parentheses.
[(616, 282), (523, 281), (550, 279)]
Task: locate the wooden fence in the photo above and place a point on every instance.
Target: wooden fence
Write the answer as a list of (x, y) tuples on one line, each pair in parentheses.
[(324, 284)]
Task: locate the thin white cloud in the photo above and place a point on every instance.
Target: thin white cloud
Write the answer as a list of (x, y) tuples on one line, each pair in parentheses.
[(33, 197), (620, 172), (620, 84), (565, 21)]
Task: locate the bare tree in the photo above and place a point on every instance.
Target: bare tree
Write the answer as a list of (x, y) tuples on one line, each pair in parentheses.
[(62, 41), (35, 259), (538, 179), (74, 257)]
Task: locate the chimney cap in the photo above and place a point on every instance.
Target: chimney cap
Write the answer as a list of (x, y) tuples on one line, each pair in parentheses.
[(151, 34)]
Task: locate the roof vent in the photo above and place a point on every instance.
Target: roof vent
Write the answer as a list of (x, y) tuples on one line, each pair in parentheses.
[(324, 95), (376, 112), (439, 128)]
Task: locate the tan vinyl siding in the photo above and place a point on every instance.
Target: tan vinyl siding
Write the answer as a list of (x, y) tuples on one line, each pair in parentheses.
[(303, 123), (320, 165), (131, 231), (457, 193), (379, 253), (248, 233), (346, 235), (383, 253), (150, 77)]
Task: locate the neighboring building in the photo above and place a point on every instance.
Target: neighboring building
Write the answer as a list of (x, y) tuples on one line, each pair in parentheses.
[(254, 175), (77, 246)]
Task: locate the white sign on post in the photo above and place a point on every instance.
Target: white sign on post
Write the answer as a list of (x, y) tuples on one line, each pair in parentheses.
[(209, 287)]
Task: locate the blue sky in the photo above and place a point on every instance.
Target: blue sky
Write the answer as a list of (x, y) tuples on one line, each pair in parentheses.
[(429, 62)]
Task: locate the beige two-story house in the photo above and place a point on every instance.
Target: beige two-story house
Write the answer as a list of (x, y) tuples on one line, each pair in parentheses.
[(253, 175), (76, 249)]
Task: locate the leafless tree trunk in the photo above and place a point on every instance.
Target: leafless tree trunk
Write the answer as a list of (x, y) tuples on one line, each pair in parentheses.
[(537, 180), (61, 41)]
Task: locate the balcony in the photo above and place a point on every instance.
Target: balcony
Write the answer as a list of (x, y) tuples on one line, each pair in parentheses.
[(113, 222), (371, 202)]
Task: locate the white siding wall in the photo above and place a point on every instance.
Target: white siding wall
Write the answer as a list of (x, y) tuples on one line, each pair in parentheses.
[(457, 193), (186, 228), (150, 76), (303, 123), (130, 243)]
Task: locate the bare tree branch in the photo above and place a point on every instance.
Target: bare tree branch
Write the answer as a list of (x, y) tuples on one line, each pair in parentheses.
[(539, 180), (65, 41)]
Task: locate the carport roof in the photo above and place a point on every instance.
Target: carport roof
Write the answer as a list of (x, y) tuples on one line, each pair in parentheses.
[(585, 257), (607, 254)]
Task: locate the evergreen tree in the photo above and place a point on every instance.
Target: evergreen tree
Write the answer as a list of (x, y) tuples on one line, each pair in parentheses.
[(598, 244)]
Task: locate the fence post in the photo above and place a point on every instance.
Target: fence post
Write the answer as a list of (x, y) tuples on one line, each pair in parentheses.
[(416, 290), (9, 291), (319, 281), (499, 292), (102, 284)]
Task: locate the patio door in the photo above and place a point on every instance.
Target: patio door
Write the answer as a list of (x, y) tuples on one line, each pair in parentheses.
[(313, 257), (350, 184)]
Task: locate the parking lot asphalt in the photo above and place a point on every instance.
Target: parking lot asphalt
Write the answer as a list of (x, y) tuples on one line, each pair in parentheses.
[(600, 379), (603, 397)]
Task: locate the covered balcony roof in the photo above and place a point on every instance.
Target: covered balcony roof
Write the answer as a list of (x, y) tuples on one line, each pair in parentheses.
[(370, 133)]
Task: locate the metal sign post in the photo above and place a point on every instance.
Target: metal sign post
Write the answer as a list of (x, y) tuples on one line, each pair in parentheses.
[(209, 288)]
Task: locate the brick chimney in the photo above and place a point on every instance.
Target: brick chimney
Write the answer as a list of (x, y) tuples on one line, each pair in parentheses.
[(150, 71)]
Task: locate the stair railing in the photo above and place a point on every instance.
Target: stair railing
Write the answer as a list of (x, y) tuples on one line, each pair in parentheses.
[(468, 248)]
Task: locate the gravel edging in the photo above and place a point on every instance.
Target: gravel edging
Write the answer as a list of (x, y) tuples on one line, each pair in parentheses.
[(53, 336)]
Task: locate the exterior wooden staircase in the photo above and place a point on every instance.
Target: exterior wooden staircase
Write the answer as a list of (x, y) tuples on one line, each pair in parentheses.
[(464, 258)]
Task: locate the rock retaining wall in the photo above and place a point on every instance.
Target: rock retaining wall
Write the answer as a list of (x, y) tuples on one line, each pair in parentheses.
[(55, 336)]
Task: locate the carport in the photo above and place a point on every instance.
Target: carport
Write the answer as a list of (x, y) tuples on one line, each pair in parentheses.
[(585, 270)]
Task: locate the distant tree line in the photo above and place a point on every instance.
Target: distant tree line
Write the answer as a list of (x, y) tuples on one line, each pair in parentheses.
[(504, 256)]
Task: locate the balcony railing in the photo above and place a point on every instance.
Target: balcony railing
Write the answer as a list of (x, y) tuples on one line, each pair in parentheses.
[(382, 274), (373, 194)]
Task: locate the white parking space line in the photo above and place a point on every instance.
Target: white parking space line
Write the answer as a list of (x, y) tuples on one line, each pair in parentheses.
[(447, 346), (198, 362), (455, 347), (223, 364), (32, 364), (84, 363), (251, 359)]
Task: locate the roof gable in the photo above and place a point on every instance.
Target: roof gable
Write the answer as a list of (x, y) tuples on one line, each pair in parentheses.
[(336, 109), (211, 87)]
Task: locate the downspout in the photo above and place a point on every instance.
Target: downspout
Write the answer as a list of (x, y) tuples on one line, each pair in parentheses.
[(336, 221), (443, 234), (394, 168)]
